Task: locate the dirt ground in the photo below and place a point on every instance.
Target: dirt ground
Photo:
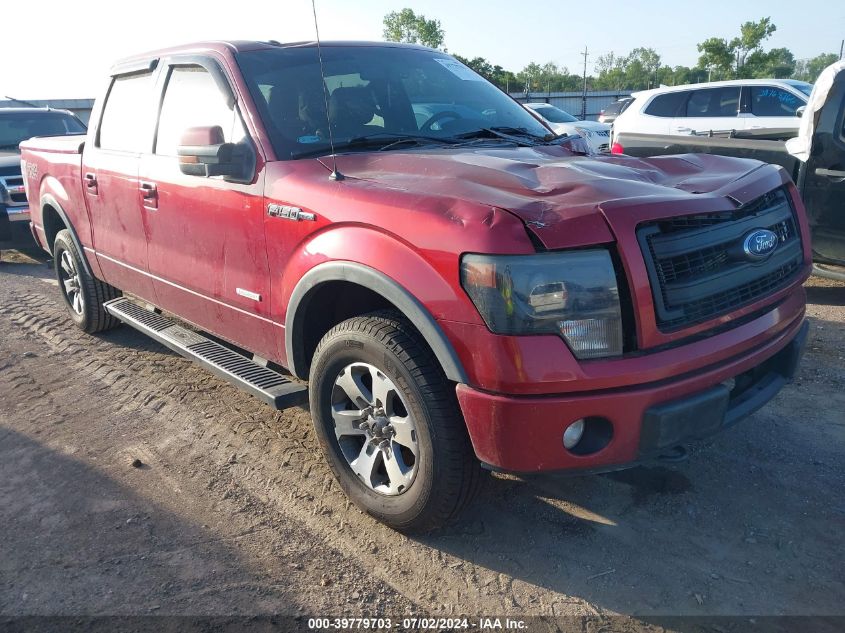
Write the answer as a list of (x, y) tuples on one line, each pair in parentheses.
[(234, 512)]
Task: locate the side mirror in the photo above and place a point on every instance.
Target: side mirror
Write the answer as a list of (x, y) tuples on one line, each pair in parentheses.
[(203, 152), (799, 112)]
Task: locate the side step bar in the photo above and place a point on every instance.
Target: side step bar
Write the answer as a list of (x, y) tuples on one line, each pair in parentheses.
[(272, 387)]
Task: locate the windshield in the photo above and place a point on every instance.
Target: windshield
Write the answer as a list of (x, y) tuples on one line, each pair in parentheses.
[(803, 86), (377, 92), (555, 115), (19, 126)]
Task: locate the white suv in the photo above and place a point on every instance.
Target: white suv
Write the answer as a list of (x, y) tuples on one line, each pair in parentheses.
[(719, 106)]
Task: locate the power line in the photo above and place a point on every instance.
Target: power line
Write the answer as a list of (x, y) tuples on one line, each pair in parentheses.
[(584, 96)]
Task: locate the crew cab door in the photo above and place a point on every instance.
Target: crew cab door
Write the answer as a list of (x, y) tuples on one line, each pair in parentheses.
[(110, 181), (822, 178), (206, 234)]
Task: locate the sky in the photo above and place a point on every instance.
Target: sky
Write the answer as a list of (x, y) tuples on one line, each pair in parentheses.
[(61, 49)]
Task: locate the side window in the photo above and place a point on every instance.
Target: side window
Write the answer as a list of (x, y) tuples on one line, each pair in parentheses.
[(124, 125), (667, 105), (770, 101), (714, 102), (193, 99)]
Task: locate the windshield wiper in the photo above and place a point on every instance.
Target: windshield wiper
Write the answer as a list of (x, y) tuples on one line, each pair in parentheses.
[(388, 140), (380, 140), (520, 136)]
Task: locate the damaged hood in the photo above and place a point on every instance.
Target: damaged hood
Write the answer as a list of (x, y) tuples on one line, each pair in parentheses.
[(548, 186)]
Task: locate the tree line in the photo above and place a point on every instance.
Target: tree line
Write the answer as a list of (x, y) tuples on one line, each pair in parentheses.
[(742, 57)]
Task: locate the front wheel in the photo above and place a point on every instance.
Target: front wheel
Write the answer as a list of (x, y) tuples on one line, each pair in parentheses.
[(83, 294), (389, 423)]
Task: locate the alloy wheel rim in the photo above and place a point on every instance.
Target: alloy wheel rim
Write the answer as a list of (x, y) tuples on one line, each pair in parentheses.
[(71, 287), (375, 430)]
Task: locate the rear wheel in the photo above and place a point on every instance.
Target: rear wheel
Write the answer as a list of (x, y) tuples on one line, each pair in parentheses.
[(389, 423), (83, 294)]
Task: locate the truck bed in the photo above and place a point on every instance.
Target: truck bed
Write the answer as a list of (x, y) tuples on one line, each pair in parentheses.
[(768, 146), (70, 144), (58, 158)]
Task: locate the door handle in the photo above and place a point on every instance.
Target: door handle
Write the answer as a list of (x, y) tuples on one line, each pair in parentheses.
[(830, 173), (91, 183), (149, 194), (148, 190)]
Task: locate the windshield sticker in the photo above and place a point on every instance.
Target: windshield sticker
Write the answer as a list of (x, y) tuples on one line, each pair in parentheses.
[(458, 69), (308, 139)]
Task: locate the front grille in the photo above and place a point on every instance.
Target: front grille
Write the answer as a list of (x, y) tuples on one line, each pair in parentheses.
[(11, 190), (697, 266)]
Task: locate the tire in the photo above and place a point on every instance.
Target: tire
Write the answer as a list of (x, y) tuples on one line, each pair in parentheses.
[(408, 491), (83, 294)]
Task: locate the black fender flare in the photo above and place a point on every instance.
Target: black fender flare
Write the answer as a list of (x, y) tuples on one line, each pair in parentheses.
[(381, 284), (47, 200)]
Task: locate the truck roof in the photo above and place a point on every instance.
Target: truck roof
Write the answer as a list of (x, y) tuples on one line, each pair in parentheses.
[(240, 46)]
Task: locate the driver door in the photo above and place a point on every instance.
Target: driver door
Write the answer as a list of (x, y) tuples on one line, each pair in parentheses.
[(206, 248)]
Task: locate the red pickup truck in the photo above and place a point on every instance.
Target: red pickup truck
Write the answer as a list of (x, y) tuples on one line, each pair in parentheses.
[(379, 231)]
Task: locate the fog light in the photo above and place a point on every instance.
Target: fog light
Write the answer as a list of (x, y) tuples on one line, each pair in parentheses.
[(572, 434), (593, 338)]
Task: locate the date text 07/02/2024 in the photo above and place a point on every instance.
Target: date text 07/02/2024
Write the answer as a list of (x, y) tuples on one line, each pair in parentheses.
[(416, 623)]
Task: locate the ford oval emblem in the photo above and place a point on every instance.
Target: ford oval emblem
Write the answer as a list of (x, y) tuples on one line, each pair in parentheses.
[(759, 244)]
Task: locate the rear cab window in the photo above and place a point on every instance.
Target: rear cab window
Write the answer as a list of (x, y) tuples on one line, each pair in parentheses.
[(125, 123), (16, 127)]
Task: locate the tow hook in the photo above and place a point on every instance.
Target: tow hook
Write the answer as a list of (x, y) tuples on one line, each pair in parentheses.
[(674, 455)]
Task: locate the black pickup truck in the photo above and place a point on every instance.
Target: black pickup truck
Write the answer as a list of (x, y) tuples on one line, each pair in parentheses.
[(821, 178), (16, 125)]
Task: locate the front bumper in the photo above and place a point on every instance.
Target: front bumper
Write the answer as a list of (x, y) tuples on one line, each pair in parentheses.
[(524, 434), (18, 214)]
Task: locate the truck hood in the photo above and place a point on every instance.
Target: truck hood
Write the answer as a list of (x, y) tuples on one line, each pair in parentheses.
[(558, 195)]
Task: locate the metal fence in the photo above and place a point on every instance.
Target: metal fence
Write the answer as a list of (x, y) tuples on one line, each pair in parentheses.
[(80, 107), (573, 102)]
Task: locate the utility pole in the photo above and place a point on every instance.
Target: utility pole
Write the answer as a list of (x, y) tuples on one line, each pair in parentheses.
[(584, 95), (841, 49)]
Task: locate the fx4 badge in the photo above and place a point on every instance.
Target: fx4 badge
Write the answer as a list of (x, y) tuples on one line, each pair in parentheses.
[(291, 213), (31, 169)]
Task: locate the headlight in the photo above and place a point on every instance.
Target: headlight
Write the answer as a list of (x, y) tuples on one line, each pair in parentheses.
[(572, 294)]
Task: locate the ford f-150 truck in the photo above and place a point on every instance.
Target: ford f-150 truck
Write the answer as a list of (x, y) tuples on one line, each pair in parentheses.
[(381, 232)]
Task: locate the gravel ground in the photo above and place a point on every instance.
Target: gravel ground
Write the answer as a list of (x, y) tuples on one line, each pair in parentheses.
[(229, 508)]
